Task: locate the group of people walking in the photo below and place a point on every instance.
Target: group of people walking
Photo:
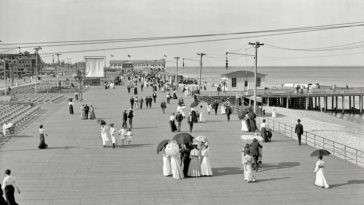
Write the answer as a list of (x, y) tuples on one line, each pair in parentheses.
[(191, 161), (109, 135), (87, 112)]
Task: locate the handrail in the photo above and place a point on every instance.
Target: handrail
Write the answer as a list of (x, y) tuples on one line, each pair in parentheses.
[(337, 149)]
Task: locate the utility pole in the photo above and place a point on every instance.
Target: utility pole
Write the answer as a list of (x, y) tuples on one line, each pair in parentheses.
[(36, 67), (57, 54), (256, 45), (201, 55), (177, 58)]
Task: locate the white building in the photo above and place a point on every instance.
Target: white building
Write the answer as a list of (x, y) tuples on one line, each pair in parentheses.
[(240, 80)]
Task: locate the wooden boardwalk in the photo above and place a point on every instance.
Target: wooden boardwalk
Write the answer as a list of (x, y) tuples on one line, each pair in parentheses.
[(76, 169)]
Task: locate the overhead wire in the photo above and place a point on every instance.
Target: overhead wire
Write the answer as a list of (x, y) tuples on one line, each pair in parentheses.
[(102, 41)]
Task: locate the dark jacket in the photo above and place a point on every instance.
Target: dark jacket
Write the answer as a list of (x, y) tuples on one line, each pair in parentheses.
[(130, 115), (299, 129), (254, 148)]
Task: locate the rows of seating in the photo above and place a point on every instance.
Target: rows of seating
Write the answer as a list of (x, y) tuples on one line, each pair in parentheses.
[(16, 113), (37, 98)]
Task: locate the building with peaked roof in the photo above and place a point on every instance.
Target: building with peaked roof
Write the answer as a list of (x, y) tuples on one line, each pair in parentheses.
[(141, 65), (240, 80)]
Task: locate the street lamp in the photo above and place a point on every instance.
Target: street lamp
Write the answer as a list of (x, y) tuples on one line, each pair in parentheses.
[(36, 67), (78, 77)]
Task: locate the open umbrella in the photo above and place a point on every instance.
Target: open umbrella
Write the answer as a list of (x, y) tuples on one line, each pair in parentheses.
[(172, 148), (161, 145), (320, 152), (183, 138), (251, 137)]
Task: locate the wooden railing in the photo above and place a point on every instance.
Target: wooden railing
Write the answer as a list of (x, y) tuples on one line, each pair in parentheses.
[(337, 149)]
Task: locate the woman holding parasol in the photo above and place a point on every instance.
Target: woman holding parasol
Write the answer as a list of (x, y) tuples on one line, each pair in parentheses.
[(172, 150), (319, 168)]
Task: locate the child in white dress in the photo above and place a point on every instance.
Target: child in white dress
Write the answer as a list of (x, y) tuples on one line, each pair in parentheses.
[(129, 136), (122, 134)]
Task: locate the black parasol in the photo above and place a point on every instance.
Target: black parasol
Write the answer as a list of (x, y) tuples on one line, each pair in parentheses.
[(320, 152), (183, 138), (162, 145)]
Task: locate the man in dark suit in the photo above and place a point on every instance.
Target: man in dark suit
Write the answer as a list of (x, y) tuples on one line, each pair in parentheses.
[(179, 118), (125, 118), (185, 158), (299, 131), (228, 111), (132, 102), (254, 150)]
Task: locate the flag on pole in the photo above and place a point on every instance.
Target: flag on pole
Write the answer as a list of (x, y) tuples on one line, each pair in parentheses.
[(165, 55), (183, 63), (111, 55), (129, 56)]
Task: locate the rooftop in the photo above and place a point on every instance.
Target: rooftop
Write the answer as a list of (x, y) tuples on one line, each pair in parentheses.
[(241, 73)]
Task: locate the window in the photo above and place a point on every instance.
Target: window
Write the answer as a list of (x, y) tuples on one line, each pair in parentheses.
[(246, 83), (258, 82), (233, 82)]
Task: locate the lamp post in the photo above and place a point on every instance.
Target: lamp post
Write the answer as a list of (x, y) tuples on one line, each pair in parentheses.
[(36, 67), (78, 77)]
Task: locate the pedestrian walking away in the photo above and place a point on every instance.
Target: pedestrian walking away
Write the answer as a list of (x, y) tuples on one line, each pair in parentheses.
[(299, 131), (42, 144), (9, 186), (130, 117)]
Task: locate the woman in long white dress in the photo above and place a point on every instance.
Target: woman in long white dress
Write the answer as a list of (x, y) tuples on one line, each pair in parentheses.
[(167, 171), (247, 164), (320, 174), (201, 117), (222, 108), (244, 127), (205, 162), (176, 169), (194, 168), (104, 134)]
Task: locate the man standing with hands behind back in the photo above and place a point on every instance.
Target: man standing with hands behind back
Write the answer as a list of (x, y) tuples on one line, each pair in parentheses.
[(299, 131)]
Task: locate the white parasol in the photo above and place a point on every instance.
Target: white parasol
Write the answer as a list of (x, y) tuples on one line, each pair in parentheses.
[(172, 148), (201, 138), (251, 137)]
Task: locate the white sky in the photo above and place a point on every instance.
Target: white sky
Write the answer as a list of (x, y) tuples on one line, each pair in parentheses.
[(59, 20)]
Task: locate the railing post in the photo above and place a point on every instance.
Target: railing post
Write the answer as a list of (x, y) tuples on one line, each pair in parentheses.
[(279, 127), (323, 143), (306, 137), (285, 129), (314, 141), (333, 148)]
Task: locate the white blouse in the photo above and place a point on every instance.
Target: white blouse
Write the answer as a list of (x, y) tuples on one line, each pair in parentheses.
[(9, 180)]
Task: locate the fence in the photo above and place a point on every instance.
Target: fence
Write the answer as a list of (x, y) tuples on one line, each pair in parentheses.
[(337, 149)]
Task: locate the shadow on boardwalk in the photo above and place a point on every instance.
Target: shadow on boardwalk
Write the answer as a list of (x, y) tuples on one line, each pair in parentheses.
[(347, 183), (281, 165), (221, 171)]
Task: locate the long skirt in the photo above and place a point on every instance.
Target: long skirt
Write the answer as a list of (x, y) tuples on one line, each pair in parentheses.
[(320, 179), (92, 115), (42, 144), (9, 195), (71, 109), (167, 171), (206, 167), (244, 127), (173, 126), (194, 169), (248, 174), (176, 168)]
